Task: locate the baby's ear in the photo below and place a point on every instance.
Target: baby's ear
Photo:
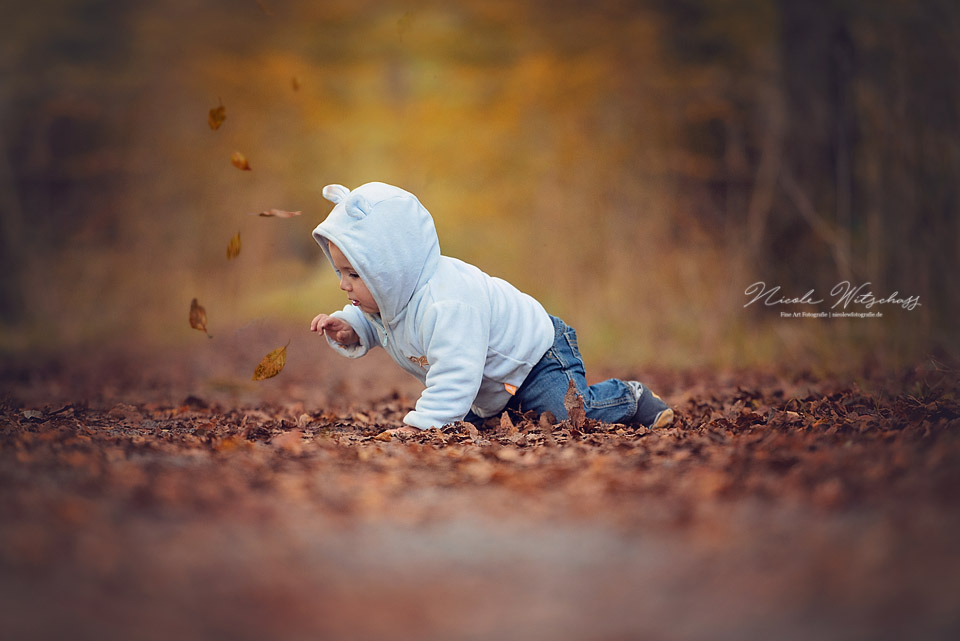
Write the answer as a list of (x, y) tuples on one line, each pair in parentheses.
[(335, 193)]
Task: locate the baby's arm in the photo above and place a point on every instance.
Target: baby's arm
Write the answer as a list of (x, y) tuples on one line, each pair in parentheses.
[(348, 331), (455, 337)]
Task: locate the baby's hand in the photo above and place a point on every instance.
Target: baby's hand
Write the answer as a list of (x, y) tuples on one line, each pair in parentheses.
[(336, 328)]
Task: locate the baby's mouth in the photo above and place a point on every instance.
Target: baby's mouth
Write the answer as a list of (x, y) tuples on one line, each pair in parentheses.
[(355, 302)]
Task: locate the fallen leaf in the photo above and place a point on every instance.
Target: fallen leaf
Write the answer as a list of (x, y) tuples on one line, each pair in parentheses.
[(290, 442), (271, 364), (546, 421), (574, 404), (278, 213), (233, 248), (240, 161), (472, 431), (217, 116), (198, 317), (507, 428), (203, 428)]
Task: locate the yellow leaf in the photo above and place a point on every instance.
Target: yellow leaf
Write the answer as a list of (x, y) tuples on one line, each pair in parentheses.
[(217, 116), (233, 248), (272, 364), (240, 161), (198, 317), (278, 213)]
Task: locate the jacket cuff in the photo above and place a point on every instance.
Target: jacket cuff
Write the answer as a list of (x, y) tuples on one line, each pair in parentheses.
[(350, 351)]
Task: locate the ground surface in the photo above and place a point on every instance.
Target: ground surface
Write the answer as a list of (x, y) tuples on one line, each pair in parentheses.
[(172, 501)]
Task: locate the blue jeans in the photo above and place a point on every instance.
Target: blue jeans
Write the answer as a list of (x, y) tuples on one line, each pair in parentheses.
[(611, 401)]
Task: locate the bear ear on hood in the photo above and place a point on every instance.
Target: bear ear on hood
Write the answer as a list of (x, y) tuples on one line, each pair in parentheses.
[(335, 193), (357, 206)]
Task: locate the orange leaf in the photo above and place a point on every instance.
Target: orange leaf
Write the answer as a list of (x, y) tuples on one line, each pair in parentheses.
[(240, 161), (233, 248), (271, 364), (198, 317), (217, 116), (278, 213)]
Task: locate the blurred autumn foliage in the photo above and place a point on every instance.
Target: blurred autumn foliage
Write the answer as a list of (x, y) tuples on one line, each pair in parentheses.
[(633, 164)]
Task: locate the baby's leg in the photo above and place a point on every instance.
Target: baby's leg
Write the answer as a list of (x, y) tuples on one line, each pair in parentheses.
[(612, 401)]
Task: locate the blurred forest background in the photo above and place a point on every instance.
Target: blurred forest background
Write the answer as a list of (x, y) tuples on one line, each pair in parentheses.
[(635, 165)]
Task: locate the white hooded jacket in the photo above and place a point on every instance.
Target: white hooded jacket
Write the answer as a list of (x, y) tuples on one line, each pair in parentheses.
[(469, 337)]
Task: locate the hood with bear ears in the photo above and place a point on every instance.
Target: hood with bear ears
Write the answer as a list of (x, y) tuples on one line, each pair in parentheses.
[(387, 236)]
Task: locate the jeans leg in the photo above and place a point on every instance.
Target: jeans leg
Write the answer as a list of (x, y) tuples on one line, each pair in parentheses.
[(611, 401)]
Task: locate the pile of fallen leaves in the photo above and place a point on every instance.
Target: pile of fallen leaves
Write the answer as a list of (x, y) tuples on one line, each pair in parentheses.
[(771, 504), (833, 447)]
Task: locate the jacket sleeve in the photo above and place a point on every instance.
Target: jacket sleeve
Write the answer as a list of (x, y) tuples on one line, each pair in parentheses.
[(363, 328), (455, 337)]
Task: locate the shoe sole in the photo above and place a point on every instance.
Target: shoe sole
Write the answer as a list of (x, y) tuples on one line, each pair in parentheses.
[(663, 419)]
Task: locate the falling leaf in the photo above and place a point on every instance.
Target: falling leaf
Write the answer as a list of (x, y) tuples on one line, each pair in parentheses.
[(278, 213), (403, 24), (198, 317), (295, 83), (240, 161), (217, 116), (574, 404), (233, 248), (272, 364)]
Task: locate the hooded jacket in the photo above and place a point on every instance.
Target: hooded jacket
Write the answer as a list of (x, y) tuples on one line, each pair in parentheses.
[(469, 337)]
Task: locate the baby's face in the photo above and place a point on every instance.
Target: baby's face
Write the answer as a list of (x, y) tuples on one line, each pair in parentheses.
[(350, 282)]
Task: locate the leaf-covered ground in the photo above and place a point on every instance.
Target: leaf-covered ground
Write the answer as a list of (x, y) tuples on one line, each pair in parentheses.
[(139, 507)]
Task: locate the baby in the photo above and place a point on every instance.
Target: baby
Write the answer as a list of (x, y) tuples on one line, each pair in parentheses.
[(477, 343)]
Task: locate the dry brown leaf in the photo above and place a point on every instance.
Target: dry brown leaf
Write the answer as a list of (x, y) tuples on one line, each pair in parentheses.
[(471, 429), (198, 317), (291, 442), (217, 116), (240, 161), (507, 428), (233, 247), (278, 213), (574, 404), (271, 364)]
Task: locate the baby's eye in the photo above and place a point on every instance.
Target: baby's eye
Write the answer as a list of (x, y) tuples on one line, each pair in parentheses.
[(354, 275)]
